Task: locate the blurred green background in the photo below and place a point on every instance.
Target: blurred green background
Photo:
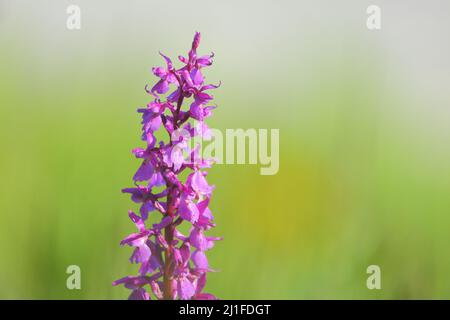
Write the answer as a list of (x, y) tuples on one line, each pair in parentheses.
[(364, 144)]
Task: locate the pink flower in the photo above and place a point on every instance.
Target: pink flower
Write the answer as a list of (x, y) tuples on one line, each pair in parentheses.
[(172, 265)]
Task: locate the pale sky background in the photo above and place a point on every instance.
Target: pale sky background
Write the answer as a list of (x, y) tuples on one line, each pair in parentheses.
[(275, 47)]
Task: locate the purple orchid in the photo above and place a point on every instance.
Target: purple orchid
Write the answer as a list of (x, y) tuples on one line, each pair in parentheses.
[(173, 265)]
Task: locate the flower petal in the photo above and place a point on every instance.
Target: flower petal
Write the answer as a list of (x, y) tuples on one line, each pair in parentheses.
[(185, 288), (199, 259), (139, 294)]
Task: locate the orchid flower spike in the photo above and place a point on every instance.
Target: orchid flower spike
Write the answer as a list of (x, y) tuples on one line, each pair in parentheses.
[(172, 265)]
